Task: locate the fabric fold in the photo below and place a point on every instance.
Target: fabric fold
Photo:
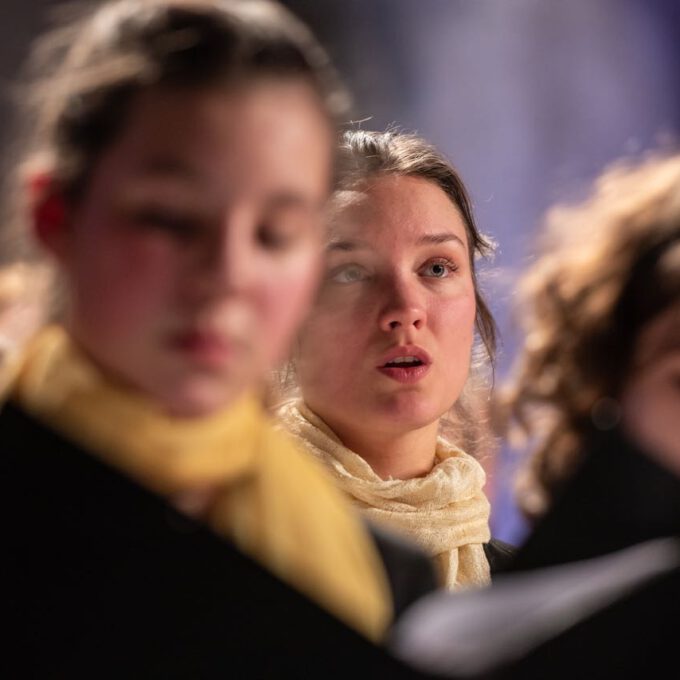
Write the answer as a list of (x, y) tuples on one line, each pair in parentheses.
[(446, 512)]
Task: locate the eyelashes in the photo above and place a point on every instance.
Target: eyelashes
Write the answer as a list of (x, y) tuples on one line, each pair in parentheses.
[(168, 221), (190, 225), (436, 268), (349, 273), (276, 237), (439, 268)]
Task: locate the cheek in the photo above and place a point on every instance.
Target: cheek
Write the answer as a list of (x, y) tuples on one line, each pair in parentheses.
[(284, 300), (319, 340), (329, 354), (121, 281), (455, 320), (651, 404)]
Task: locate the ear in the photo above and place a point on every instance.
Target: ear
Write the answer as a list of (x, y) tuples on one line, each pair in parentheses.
[(48, 213)]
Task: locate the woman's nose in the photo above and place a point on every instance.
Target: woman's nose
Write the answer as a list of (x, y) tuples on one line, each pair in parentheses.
[(226, 259), (403, 309)]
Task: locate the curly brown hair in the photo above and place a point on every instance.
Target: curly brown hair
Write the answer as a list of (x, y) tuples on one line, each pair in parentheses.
[(600, 277)]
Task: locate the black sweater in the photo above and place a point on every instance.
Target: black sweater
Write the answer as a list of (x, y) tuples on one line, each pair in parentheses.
[(101, 579), (619, 498)]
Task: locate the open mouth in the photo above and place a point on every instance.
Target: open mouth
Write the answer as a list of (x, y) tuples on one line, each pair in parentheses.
[(409, 367), (403, 362)]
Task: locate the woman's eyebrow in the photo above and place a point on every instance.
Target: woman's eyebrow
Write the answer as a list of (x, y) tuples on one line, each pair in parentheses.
[(345, 245), (165, 167), (290, 200), (349, 245), (442, 237)]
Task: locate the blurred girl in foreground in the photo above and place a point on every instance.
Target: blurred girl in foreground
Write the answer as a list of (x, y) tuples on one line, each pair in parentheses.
[(383, 361), (24, 298), (181, 159)]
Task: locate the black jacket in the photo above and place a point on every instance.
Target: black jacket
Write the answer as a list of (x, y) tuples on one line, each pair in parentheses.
[(101, 579), (500, 555), (410, 573), (619, 498)]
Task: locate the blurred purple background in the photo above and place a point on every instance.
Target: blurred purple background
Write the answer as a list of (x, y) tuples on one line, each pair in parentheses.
[(529, 98)]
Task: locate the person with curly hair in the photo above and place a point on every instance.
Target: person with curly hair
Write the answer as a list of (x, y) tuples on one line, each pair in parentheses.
[(591, 305)]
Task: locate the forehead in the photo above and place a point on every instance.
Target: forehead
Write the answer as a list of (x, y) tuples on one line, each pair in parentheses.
[(259, 132), (396, 210)]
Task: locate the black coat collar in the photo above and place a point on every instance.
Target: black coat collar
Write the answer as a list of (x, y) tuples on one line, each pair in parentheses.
[(618, 497)]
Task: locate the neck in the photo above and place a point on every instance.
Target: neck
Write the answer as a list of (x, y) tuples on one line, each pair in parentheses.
[(400, 455)]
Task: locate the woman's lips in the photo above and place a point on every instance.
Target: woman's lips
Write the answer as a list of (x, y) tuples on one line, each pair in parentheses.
[(405, 364), (405, 374), (203, 347)]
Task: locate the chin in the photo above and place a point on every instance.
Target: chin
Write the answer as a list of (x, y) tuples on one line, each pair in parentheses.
[(199, 400), (408, 411)]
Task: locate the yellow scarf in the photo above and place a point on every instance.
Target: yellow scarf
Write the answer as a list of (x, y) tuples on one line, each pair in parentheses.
[(445, 512), (273, 502)]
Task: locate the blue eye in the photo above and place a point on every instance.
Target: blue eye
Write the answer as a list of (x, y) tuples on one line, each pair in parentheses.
[(438, 269), (350, 273)]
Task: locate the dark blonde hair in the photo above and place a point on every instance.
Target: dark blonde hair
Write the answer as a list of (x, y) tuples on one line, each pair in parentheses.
[(84, 75), (606, 268)]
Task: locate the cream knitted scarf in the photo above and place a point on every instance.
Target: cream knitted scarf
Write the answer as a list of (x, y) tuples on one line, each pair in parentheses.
[(446, 512)]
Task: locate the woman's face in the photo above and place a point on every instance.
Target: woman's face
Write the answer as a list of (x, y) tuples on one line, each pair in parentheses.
[(651, 397), (387, 345), (195, 250)]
